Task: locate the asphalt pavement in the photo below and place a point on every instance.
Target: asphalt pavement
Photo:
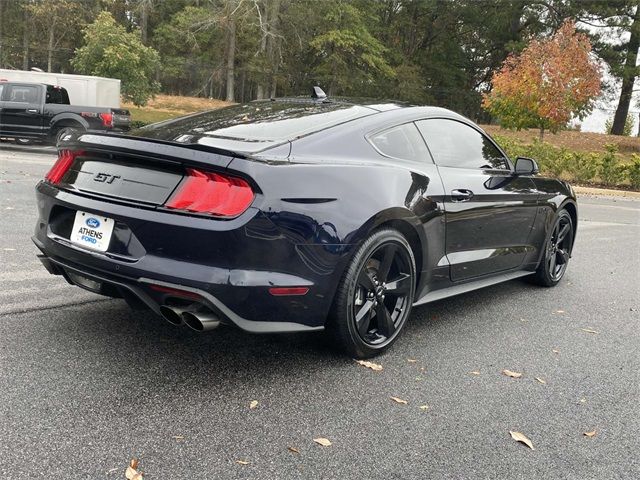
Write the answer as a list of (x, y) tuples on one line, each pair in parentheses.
[(86, 384)]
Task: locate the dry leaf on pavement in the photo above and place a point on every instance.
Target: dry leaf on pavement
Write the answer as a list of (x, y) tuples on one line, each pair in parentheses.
[(511, 374), (559, 311), (411, 360), (293, 449), (399, 400), (371, 365), (242, 462), (555, 350), (475, 372), (589, 330), (253, 404), (132, 474), (540, 380), (590, 434), (424, 407), (325, 442), (520, 437)]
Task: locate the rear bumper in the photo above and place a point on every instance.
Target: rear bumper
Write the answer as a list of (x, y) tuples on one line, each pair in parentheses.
[(229, 265), (137, 290)]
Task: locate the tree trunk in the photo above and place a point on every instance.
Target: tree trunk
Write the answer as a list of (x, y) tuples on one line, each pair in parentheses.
[(261, 88), (628, 77), (231, 58), (50, 45), (25, 40), (541, 137), (144, 20), (1, 31)]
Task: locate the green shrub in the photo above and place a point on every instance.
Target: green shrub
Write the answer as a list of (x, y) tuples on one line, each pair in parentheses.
[(612, 172), (583, 167), (633, 171), (628, 125)]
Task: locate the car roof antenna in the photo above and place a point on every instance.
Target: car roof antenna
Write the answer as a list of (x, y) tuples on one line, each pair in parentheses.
[(318, 94)]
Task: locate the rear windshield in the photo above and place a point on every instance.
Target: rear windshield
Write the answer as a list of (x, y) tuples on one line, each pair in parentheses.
[(254, 126)]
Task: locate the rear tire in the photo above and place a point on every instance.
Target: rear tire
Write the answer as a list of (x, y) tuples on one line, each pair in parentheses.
[(375, 295), (557, 251)]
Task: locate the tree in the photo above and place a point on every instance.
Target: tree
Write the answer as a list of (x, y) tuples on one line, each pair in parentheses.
[(111, 51), (346, 52), (550, 82)]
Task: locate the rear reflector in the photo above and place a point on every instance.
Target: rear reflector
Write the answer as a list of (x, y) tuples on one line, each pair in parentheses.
[(212, 193), (282, 291), (62, 165)]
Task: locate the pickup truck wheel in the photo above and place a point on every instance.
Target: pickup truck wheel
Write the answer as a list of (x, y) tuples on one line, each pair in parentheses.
[(64, 131)]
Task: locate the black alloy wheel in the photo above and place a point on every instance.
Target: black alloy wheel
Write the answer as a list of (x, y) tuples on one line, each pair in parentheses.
[(375, 297), (557, 251)]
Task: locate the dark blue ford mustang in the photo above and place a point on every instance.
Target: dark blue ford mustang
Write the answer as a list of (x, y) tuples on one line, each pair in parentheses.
[(299, 215)]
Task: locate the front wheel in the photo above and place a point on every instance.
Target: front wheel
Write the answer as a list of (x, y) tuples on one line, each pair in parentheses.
[(557, 251), (375, 295)]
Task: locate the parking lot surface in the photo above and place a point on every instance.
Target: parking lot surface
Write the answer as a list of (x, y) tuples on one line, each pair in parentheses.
[(86, 384)]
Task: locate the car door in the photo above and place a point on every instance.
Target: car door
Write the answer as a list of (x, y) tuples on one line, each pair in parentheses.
[(489, 212), (22, 110)]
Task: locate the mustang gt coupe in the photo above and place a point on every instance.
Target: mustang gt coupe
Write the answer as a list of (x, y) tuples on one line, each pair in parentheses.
[(301, 214)]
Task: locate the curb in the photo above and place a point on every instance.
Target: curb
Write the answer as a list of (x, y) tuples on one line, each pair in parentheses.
[(606, 192)]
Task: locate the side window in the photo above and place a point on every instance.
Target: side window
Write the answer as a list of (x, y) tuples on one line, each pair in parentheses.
[(454, 144), (1, 88), (403, 142), (23, 94)]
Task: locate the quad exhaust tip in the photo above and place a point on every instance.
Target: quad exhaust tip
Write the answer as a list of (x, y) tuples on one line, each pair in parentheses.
[(193, 316)]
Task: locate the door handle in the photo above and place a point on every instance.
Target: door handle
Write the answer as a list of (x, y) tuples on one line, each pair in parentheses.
[(32, 110), (461, 195)]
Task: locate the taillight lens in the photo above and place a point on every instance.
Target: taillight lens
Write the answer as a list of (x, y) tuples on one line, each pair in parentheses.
[(107, 119), (212, 193), (64, 162)]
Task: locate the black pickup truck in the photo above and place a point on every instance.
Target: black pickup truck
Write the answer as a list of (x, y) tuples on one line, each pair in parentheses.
[(40, 112)]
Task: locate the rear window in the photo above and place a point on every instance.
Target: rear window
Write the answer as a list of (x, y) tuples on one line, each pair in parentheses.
[(259, 123)]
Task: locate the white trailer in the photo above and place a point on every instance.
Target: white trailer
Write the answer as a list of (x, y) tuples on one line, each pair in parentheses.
[(83, 89)]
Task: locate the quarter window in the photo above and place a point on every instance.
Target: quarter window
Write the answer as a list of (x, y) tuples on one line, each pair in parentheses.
[(454, 144), (403, 142)]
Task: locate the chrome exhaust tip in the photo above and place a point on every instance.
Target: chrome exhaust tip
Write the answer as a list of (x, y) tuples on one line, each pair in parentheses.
[(201, 321), (173, 315)]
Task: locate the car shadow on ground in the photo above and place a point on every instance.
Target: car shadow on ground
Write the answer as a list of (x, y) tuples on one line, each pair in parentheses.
[(112, 337)]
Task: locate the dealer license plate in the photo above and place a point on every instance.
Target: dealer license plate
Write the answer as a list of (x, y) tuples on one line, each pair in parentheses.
[(92, 231)]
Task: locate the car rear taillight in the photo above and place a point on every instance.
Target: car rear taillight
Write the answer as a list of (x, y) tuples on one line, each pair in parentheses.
[(107, 119), (212, 193), (64, 162)]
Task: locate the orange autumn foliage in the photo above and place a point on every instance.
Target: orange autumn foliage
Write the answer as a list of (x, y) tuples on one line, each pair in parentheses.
[(550, 82)]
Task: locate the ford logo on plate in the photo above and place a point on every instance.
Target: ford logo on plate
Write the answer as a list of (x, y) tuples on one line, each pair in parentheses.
[(92, 222)]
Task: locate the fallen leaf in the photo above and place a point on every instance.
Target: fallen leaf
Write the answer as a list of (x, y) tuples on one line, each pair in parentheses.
[(422, 369), (293, 449), (322, 441), (178, 437), (475, 372), (371, 365), (540, 380), (242, 462), (559, 311), (590, 434), (132, 474), (583, 400), (589, 330), (411, 360), (511, 374), (399, 400), (424, 407), (523, 319), (253, 404), (520, 437), (555, 351), (134, 463)]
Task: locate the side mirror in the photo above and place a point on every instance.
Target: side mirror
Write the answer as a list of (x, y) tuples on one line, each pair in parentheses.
[(526, 166)]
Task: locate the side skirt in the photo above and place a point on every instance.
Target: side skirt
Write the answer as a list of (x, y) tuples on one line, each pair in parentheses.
[(469, 286)]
